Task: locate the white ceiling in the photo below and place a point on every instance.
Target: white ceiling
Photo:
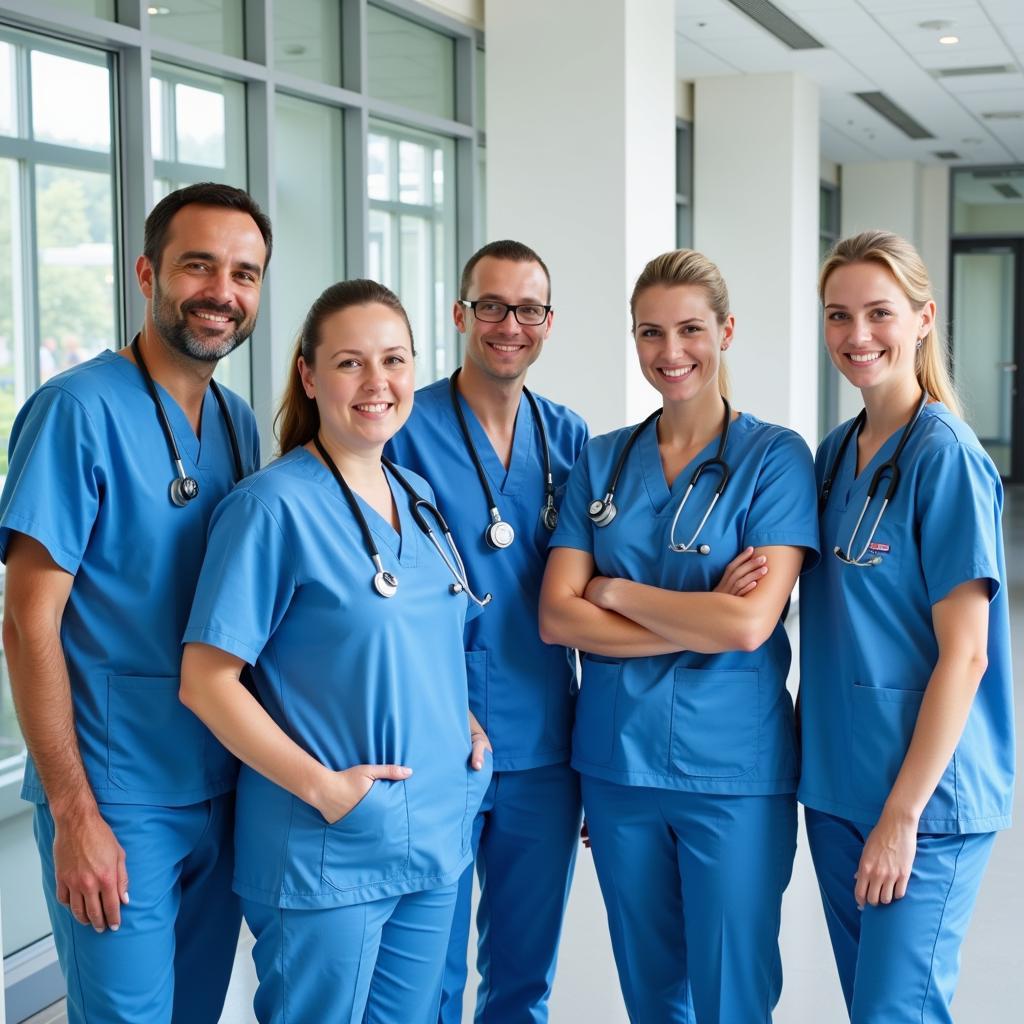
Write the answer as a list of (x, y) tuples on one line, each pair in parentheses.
[(879, 46)]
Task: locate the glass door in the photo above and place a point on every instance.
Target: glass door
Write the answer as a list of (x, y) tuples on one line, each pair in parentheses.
[(987, 346)]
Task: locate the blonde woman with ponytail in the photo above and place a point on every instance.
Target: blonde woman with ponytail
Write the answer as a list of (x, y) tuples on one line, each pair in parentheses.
[(906, 686), (684, 731)]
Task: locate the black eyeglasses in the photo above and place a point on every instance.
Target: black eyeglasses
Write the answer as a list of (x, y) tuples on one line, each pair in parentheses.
[(529, 314)]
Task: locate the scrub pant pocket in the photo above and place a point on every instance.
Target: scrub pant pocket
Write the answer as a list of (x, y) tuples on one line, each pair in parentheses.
[(368, 963), (693, 884), (898, 964), (170, 961)]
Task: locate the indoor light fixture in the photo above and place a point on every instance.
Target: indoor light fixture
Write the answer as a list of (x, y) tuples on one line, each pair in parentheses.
[(949, 40)]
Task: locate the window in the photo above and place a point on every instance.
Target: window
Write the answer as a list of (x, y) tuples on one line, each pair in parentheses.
[(212, 24), (412, 236), (828, 375), (684, 184)]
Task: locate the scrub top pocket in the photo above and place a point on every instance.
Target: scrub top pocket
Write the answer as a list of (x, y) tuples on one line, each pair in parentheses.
[(593, 737), (155, 745), (715, 726), (370, 843), (883, 722)]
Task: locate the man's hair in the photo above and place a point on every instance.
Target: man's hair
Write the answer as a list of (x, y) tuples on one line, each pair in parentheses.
[(206, 193), (505, 249)]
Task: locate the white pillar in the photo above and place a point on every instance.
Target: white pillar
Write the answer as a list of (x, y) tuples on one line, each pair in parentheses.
[(580, 165), (756, 166)]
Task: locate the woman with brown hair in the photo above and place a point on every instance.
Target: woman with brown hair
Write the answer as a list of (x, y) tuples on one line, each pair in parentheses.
[(362, 769)]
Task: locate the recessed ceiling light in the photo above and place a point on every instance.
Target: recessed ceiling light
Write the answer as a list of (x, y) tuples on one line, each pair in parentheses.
[(949, 40), (156, 11)]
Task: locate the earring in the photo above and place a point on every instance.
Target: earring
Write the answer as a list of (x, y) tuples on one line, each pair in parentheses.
[(920, 342)]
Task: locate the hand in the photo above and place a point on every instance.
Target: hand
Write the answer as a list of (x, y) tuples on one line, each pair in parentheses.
[(480, 743), (585, 834), (742, 573), (598, 592), (886, 861), (89, 869), (343, 790)]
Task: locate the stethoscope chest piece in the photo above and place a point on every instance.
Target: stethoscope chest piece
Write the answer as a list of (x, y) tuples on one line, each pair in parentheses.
[(385, 583), (601, 511), (183, 490), (549, 517), (499, 534)]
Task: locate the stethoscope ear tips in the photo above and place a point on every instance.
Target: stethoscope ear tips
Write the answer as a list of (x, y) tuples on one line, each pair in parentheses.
[(183, 490)]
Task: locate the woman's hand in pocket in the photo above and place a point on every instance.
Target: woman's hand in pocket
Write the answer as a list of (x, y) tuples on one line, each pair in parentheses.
[(341, 791)]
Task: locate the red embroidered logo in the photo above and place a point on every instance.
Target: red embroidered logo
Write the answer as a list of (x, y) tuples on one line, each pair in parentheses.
[(876, 546)]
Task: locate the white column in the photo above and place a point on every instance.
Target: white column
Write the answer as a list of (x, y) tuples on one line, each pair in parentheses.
[(580, 166), (756, 166)]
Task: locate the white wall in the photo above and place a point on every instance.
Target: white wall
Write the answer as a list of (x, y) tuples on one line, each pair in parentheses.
[(581, 166), (756, 168)]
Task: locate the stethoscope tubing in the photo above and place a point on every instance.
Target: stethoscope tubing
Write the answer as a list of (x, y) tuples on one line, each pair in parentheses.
[(184, 487), (890, 467)]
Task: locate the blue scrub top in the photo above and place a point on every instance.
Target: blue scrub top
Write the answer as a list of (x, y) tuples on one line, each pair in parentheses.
[(89, 479), (521, 689), (708, 723), (867, 644), (351, 677)]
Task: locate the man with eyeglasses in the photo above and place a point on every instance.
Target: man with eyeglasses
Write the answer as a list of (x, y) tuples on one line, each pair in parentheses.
[(498, 458)]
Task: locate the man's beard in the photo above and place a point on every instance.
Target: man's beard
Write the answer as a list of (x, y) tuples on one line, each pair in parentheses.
[(174, 329)]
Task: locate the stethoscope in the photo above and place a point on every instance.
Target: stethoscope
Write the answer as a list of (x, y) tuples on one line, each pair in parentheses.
[(890, 466), (602, 510), (499, 534), (184, 487), (384, 582)]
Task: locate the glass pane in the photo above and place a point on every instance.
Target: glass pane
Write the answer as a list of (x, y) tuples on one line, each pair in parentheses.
[(307, 39), (413, 173), (983, 357), (480, 99), (988, 201), (12, 343), (198, 127), (410, 64), (309, 240), (379, 155), (417, 291), (74, 222), (8, 91), (379, 255), (212, 24), (97, 8), (70, 101)]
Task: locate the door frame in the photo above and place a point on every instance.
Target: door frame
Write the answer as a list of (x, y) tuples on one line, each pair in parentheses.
[(982, 243)]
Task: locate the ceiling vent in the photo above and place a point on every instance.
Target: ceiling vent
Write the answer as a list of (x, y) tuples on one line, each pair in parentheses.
[(896, 115), (996, 172), (780, 25), (947, 154), (981, 69), (1007, 191), (1004, 115)]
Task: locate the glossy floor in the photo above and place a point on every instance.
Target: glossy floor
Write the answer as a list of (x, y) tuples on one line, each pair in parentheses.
[(992, 980)]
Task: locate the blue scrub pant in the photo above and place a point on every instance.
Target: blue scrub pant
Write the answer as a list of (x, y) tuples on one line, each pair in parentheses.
[(170, 961), (898, 963), (525, 838), (367, 963), (693, 883)]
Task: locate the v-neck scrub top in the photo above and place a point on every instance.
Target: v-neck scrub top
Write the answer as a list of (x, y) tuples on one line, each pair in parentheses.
[(351, 677), (89, 479), (867, 642), (707, 723), (521, 689)]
